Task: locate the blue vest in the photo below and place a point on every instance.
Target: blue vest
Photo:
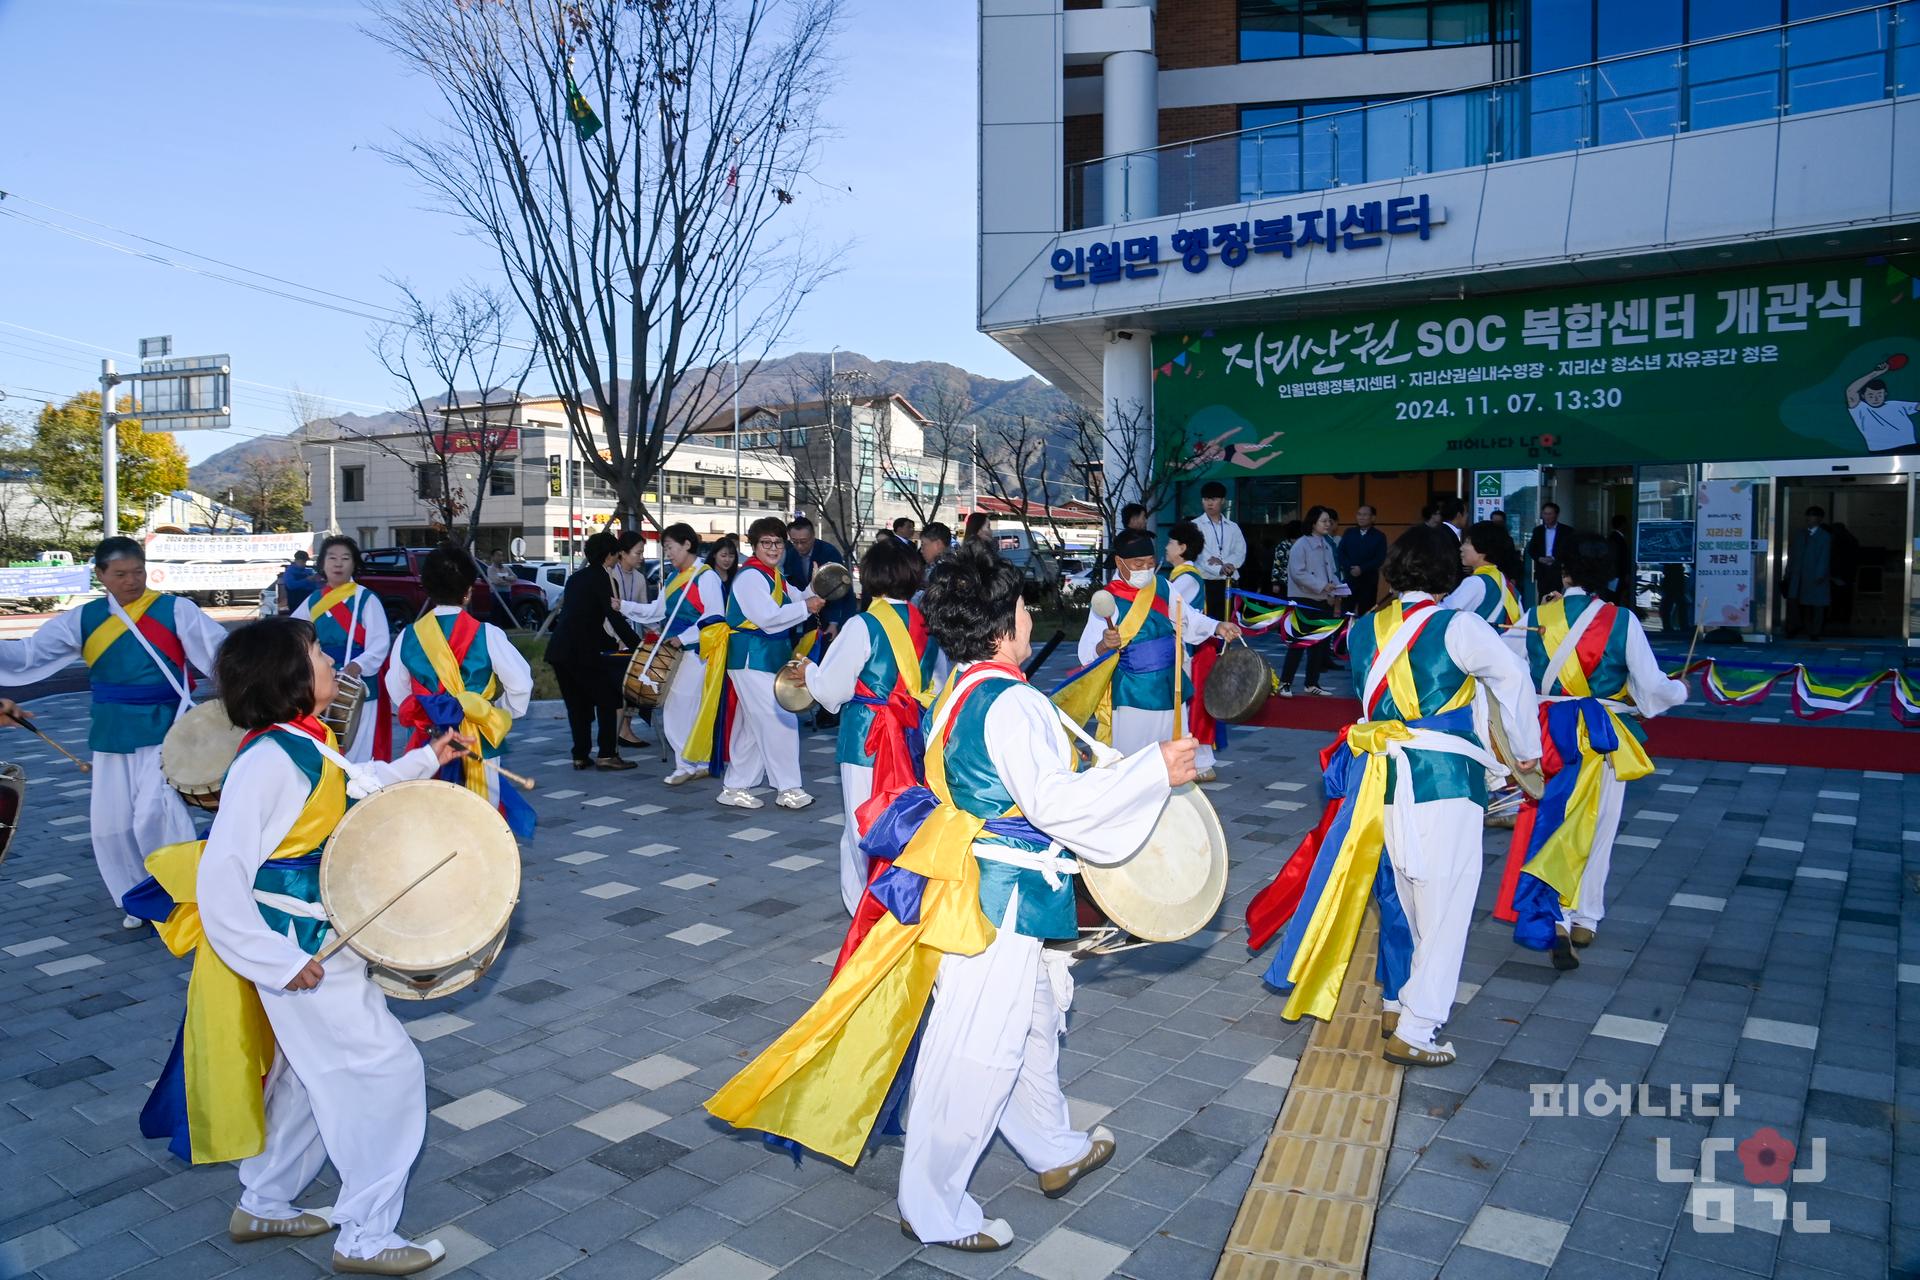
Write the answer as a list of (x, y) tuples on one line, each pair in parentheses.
[(333, 636), (1608, 679), (293, 877), (976, 788), (476, 669), (749, 648), (133, 705), (1143, 675), (880, 674), (1437, 775)]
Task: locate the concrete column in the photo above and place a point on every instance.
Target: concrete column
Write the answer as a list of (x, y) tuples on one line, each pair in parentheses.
[(1126, 394), (1130, 112)]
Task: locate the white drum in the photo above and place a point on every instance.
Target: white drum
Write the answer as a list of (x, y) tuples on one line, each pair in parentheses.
[(1173, 884), (197, 752)]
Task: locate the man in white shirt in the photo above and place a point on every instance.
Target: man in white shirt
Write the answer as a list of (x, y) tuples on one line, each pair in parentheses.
[(1225, 551), (1884, 424)]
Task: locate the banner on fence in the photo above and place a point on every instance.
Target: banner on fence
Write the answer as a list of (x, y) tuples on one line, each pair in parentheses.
[(220, 561)]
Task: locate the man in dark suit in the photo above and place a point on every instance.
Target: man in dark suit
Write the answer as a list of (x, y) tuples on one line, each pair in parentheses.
[(579, 649), (1453, 517), (1810, 576), (806, 552), (1621, 545), (1551, 544)]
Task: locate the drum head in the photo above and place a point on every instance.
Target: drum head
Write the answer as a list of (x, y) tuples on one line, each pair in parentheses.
[(1239, 685), (386, 841), (13, 796), (200, 748), (831, 581), (1171, 886), (1531, 781)]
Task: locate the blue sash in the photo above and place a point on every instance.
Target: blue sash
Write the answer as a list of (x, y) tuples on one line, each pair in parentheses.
[(135, 695)]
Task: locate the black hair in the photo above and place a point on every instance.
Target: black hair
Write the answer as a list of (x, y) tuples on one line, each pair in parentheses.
[(683, 534), (937, 532), (1129, 512), (599, 546), (773, 527), (977, 524), (1187, 534), (1423, 559), (890, 568), (447, 574), (1452, 509), (728, 543), (1314, 513), (630, 538), (341, 540), (1549, 506), (972, 596), (265, 672), (1491, 539), (301, 557), (1874, 384), (1590, 567), (903, 520), (1819, 511), (117, 548), (1213, 489)]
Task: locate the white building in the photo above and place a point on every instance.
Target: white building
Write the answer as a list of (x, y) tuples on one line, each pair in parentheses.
[(376, 485), (1628, 255)]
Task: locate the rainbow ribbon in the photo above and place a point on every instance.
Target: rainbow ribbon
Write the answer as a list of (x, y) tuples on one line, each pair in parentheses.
[(1817, 695)]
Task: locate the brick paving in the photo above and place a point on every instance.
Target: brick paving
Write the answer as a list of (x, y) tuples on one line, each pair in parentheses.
[(1754, 937)]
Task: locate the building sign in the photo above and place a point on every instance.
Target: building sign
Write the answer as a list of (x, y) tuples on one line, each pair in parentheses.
[(1723, 554), (1353, 228), (1492, 489), (1804, 361), (482, 440), (553, 475)]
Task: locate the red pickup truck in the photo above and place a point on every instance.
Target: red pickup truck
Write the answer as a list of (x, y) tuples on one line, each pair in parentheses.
[(393, 574)]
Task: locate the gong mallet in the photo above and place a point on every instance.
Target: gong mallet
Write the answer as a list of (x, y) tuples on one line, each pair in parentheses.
[(35, 729), (519, 780), (342, 939), (1178, 610)]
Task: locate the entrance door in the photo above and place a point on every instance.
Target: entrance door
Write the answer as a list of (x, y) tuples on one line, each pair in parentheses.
[(1866, 518)]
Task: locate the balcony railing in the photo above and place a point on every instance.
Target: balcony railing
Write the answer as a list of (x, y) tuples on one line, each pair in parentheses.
[(1865, 54)]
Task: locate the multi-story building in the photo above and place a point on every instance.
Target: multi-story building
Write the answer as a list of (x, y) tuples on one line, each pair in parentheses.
[(1652, 260), (381, 483)]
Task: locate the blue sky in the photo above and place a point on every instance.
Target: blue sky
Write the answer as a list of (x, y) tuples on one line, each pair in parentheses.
[(239, 129)]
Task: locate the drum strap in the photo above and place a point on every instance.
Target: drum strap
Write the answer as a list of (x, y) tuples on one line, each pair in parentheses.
[(180, 686), (1047, 861)]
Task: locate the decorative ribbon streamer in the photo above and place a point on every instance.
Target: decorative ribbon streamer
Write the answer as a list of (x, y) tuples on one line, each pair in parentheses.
[(1818, 692)]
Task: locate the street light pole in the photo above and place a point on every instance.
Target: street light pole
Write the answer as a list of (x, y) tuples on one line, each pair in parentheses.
[(109, 454)]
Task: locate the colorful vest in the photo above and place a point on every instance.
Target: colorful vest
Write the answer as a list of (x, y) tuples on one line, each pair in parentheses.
[(1143, 677), (1601, 653), (293, 868), (880, 674), (684, 604), (468, 642), (977, 789), (1438, 685), (133, 703), (1497, 603), (332, 612), (750, 648)]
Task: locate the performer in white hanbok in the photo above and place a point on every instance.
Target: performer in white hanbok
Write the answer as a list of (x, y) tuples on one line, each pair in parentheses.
[(692, 609), (137, 645), (352, 626), (346, 1082), (989, 877), (1184, 542), (762, 613), (883, 670)]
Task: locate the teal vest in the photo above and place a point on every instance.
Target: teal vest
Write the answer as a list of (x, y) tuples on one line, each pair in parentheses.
[(293, 877), (1608, 678), (476, 669), (879, 676), (1146, 690), (749, 648), (976, 788), (1437, 775), (127, 726), (1488, 605)]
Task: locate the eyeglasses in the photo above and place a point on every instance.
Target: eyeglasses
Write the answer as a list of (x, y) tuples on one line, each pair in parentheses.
[(765, 543)]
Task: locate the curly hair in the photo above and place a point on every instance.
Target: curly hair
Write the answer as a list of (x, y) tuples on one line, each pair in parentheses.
[(1423, 559), (1188, 535), (265, 672), (972, 597)]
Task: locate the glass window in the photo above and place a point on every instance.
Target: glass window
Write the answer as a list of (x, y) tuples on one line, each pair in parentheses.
[(1402, 26), (1628, 26), (1724, 17), (353, 484), (1560, 33), (1269, 156), (1312, 28), (1330, 26), (1332, 147), (1268, 29), (1733, 81), (1461, 23), (500, 479)]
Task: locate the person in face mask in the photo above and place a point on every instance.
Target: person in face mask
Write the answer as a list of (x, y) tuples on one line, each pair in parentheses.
[(1139, 688)]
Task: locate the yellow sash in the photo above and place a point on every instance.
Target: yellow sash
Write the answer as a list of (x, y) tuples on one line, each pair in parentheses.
[(1509, 605), (227, 1045), (901, 642), (1320, 962), (777, 588), (712, 648), (823, 1082), (1091, 696), (334, 596), (112, 629), (1562, 859), (484, 720)]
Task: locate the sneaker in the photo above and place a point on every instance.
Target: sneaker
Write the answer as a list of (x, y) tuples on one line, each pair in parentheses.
[(793, 798), (994, 1235), (1317, 691), (1055, 1183), (402, 1260), (735, 799), (1563, 957), (131, 922), (244, 1228), (1285, 691), (1398, 1051)]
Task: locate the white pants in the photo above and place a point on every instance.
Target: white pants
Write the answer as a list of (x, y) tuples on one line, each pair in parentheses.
[(347, 1085), (1590, 905), (765, 746), (1439, 911), (989, 1060), (680, 709), (856, 785), (133, 811), (1134, 728), (360, 750)]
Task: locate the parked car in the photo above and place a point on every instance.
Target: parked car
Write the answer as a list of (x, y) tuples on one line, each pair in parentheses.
[(549, 575), (1077, 586), (393, 575), (222, 597), (1033, 555)]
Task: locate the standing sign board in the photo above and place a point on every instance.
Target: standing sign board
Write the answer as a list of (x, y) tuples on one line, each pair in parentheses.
[(1723, 553)]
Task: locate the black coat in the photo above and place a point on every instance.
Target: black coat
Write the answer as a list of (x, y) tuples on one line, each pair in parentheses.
[(587, 601), (1564, 541)]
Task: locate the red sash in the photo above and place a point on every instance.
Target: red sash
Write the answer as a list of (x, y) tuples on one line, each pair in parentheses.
[(1126, 593), (893, 763), (465, 628)]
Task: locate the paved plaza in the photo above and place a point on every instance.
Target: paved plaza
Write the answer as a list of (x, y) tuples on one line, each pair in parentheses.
[(1758, 923)]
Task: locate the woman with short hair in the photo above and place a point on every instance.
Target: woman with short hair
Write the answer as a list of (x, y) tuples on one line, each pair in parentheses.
[(580, 652)]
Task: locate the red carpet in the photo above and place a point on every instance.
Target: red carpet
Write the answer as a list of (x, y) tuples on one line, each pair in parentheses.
[(1682, 738)]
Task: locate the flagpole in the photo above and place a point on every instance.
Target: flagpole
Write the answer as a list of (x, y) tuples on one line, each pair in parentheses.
[(739, 491)]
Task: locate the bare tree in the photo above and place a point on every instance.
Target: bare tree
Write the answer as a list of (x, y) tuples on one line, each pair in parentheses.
[(462, 380), (1021, 466), (944, 456), (1116, 459), (825, 453), (274, 490), (628, 160)]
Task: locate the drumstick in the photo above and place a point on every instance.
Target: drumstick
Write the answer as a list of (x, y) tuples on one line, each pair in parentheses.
[(519, 780), (342, 939), (1696, 640), (1179, 662), (31, 727)]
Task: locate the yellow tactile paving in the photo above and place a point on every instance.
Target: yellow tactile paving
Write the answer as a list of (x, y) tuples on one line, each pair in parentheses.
[(1308, 1214)]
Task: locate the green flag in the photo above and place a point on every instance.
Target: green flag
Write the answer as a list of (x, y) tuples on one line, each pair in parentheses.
[(585, 123)]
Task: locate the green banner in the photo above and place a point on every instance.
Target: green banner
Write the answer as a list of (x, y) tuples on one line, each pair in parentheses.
[(1797, 361)]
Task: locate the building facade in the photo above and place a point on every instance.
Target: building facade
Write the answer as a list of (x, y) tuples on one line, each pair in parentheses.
[(381, 489), (1651, 260)]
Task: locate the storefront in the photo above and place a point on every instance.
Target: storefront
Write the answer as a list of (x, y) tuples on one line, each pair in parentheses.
[(1704, 412)]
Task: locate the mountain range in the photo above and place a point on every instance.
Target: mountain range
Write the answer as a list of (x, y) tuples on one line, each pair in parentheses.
[(796, 377)]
